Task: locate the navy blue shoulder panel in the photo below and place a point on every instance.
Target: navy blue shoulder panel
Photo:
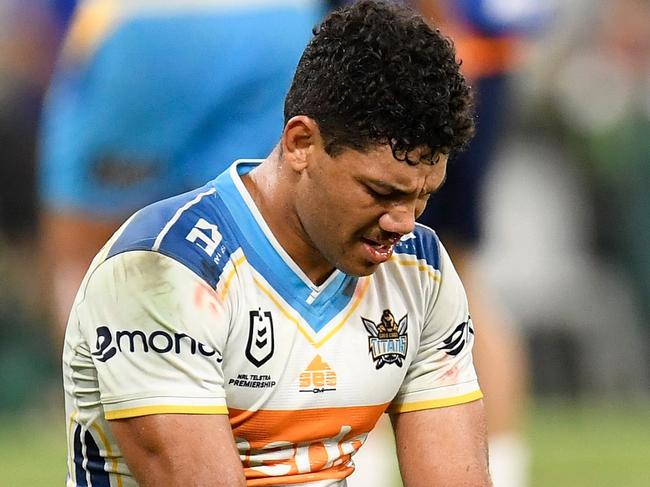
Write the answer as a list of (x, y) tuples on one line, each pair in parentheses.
[(191, 228), (147, 223), (423, 243)]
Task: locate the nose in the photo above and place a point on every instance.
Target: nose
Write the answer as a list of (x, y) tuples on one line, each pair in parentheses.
[(400, 219)]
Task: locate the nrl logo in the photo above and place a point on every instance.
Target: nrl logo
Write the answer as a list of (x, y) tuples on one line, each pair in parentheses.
[(388, 341), (261, 343)]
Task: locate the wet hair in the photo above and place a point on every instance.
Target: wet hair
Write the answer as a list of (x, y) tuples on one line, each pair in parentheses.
[(376, 73)]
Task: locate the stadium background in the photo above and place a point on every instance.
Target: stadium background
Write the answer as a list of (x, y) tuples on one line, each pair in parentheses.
[(567, 245)]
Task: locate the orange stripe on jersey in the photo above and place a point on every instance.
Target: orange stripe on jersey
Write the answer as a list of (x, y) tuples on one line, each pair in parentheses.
[(301, 446), (337, 472)]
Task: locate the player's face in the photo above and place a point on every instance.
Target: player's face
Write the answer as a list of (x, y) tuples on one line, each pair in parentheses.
[(355, 207)]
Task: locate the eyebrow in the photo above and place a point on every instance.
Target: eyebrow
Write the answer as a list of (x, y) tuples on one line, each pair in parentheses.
[(400, 191)]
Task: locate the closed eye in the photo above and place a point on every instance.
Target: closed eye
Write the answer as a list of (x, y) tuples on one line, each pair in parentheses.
[(384, 195), (377, 191), (379, 194)]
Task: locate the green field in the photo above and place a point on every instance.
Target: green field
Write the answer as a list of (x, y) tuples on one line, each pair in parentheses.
[(572, 446), (32, 451), (590, 445)]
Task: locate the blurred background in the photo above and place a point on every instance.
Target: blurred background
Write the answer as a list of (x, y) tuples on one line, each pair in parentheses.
[(565, 245)]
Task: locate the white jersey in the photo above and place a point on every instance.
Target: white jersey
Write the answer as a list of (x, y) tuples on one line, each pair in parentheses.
[(194, 307)]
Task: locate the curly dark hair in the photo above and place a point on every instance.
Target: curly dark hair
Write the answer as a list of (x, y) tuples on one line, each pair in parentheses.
[(376, 73)]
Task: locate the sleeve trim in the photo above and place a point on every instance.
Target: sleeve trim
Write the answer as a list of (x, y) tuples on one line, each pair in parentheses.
[(164, 409), (436, 403)]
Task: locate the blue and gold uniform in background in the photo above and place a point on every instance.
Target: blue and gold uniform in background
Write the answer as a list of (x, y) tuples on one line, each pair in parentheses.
[(149, 97)]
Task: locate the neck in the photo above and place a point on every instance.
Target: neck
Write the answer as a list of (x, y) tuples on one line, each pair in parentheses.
[(271, 185)]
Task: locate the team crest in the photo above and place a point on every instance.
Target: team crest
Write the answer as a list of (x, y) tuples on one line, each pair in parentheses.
[(260, 345), (388, 341)]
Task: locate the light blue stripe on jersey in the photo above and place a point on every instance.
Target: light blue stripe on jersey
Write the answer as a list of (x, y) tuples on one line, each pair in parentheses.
[(425, 246), (266, 260)]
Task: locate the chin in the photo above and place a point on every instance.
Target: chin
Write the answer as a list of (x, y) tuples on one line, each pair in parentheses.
[(358, 270)]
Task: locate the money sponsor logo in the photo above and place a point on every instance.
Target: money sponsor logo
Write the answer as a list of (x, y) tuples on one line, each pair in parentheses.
[(111, 342)]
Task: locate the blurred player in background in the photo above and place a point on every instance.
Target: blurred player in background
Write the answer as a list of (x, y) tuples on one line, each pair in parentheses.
[(29, 36), (486, 34), (151, 99), (599, 91)]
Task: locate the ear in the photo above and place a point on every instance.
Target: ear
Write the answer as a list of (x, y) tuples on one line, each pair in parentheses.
[(300, 140)]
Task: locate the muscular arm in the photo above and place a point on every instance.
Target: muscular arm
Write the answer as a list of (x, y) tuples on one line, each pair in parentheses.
[(443, 447), (191, 450)]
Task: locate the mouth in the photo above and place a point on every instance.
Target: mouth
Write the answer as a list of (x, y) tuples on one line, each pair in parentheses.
[(379, 251)]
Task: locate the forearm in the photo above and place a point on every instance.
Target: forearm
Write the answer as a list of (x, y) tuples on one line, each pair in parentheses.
[(170, 469), (445, 474), (443, 447), (163, 472), (175, 450)]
